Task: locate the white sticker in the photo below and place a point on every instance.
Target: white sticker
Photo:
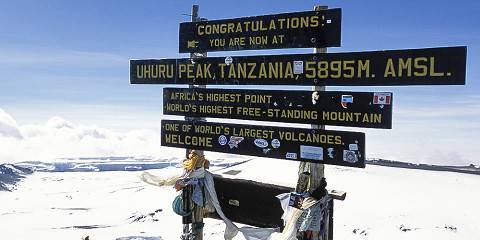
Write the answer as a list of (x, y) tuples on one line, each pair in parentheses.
[(311, 152), (315, 97), (382, 98), (330, 152), (261, 143), (234, 141), (349, 156), (275, 143), (353, 147), (297, 67), (222, 140), (228, 60), (291, 155)]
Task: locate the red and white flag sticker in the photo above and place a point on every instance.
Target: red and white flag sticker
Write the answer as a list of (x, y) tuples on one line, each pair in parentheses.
[(382, 98)]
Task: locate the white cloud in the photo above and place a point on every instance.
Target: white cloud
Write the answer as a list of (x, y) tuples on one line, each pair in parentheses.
[(8, 126), (59, 138)]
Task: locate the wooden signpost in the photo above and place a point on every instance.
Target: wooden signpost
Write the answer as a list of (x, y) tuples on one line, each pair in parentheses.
[(312, 147)]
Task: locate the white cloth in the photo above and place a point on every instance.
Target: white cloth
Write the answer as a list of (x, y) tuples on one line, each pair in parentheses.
[(291, 215)]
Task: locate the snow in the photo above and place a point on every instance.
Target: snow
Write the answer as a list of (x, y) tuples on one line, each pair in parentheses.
[(381, 203), (10, 175), (63, 205)]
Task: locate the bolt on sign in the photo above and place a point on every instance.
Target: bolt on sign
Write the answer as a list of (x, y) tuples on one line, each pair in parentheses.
[(297, 144), (353, 109), (429, 66), (310, 29)]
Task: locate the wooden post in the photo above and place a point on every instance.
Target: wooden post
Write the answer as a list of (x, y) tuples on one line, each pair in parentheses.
[(196, 218), (314, 171), (330, 219)]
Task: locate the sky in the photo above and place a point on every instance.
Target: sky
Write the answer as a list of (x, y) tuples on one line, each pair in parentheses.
[(70, 60)]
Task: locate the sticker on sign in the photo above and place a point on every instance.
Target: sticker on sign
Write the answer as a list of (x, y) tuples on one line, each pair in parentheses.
[(311, 152), (275, 143), (349, 156), (353, 147), (261, 143), (346, 99), (228, 60), (382, 98), (222, 140), (234, 141), (291, 155), (297, 67)]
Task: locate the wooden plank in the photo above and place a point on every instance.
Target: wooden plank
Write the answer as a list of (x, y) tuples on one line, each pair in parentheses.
[(296, 144), (250, 202), (337, 194), (286, 30), (259, 207), (353, 109), (428, 66)]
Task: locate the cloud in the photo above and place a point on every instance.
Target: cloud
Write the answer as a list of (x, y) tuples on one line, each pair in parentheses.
[(60, 138), (8, 126)]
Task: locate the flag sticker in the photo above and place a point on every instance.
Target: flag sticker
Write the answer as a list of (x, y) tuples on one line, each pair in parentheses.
[(382, 98)]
